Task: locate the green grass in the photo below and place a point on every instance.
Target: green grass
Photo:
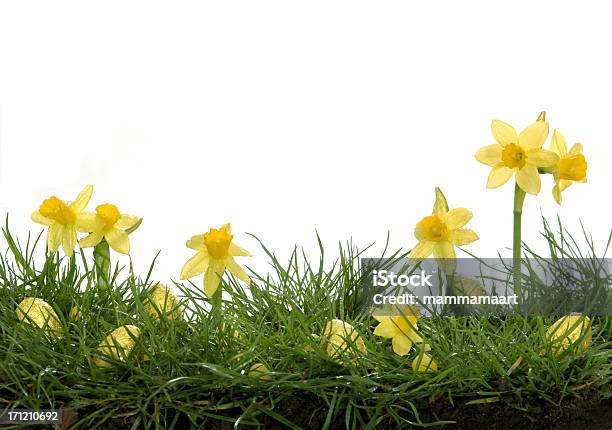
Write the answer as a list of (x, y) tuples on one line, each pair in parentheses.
[(194, 371)]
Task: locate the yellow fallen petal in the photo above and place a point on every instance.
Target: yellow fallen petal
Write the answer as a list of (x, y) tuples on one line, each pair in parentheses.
[(339, 337), (489, 155), (118, 240), (260, 371), (40, 313), (424, 363), (162, 301), (503, 132), (195, 266), (82, 199), (528, 179), (463, 236), (568, 330), (401, 344), (542, 158), (534, 135), (118, 345), (499, 176), (75, 313), (558, 143)]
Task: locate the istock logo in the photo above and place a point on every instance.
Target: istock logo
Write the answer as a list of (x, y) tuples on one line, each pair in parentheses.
[(384, 278)]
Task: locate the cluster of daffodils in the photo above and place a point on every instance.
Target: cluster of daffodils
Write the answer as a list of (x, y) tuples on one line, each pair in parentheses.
[(117, 345), (521, 155), (515, 154), (64, 219)]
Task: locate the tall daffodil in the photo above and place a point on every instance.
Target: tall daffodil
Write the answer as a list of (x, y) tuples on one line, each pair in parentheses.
[(110, 225), (64, 219), (400, 328), (572, 166), (215, 253), (517, 154), (440, 232)]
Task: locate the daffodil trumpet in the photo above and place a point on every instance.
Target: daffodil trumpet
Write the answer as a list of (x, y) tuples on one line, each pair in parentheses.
[(111, 230)]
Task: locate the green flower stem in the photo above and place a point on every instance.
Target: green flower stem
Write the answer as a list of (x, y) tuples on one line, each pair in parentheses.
[(519, 198), (102, 261)]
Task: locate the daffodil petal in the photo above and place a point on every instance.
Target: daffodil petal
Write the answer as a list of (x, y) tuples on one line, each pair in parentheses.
[(54, 236), (499, 176), (489, 155), (542, 158), (401, 344), (444, 250), (534, 135), (118, 240), (424, 363), (564, 183), (86, 222), (237, 270), (558, 143), (126, 221), (37, 217), (82, 199), (463, 236), (576, 149), (195, 266), (69, 236), (556, 192), (236, 251), (421, 250), (503, 132), (387, 329), (528, 179), (457, 218), (91, 240), (196, 243), (212, 278), (440, 205)]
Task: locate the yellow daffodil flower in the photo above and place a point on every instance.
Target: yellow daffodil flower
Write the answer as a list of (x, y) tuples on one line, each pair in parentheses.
[(568, 330), (401, 329), (215, 253), (40, 313), (571, 167), (424, 363), (439, 233), (118, 345), (161, 300), (517, 154), (64, 219), (110, 225), (339, 337)]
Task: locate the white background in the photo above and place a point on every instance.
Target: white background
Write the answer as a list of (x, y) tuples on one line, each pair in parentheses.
[(288, 117)]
